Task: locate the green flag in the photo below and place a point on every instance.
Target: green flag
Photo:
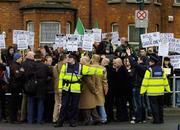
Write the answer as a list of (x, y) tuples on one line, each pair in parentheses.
[(79, 27), (96, 25)]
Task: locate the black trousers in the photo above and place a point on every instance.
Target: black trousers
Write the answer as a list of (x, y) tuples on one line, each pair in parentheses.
[(121, 107), (15, 102), (156, 103), (2, 105), (69, 108)]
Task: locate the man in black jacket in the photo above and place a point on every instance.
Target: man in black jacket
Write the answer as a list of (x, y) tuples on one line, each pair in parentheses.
[(28, 65), (118, 88), (42, 74)]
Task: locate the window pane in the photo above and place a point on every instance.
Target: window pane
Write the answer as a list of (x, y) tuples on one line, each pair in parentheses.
[(134, 33), (30, 26), (68, 28), (48, 31), (177, 1), (115, 27)]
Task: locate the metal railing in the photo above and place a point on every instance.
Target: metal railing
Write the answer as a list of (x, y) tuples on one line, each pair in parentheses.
[(174, 90)]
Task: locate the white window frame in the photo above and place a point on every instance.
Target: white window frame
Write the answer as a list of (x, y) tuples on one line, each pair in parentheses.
[(113, 1), (45, 42), (28, 26), (133, 42), (134, 1), (112, 27), (68, 27)]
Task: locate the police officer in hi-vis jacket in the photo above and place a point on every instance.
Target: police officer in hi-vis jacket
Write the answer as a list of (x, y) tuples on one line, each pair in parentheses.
[(70, 86), (154, 84)]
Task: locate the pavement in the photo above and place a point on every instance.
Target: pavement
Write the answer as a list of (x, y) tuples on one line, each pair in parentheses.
[(171, 123)]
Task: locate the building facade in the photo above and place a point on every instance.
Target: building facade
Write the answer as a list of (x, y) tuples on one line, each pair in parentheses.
[(48, 17)]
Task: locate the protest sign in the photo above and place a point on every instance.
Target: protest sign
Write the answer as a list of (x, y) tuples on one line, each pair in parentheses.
[(60, 40), (175, 61), (150, 39), (115, 38), (177, 45), (71, 42), (88, 41), (2, 42), (164, 44), (172, 44), (22, 40), (97, 34)]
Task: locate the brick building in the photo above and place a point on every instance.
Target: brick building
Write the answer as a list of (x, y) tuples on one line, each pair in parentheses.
[(48, 17)]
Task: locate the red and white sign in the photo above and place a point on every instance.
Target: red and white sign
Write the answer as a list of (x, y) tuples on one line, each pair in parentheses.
[(141, 18), (141, 14)]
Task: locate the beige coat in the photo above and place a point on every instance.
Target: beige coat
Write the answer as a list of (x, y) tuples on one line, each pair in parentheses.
[(101, 86), (88, 94), (56, 71)]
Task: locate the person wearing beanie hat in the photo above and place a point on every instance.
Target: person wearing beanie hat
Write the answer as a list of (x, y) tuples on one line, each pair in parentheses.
[(17, 56), (16, 78)]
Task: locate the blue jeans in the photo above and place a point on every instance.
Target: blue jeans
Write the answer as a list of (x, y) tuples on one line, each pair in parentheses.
[(102, 113), (139, 105), (40, 109)]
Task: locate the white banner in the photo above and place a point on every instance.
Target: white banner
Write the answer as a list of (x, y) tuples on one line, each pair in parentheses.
[(2, 42), (88, 41), (72, 42), (175, 61), (150, 39), (164, 45), (97, 34), (115, 38)]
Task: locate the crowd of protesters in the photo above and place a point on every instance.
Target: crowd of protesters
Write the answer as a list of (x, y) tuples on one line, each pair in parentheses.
[(115, 96)]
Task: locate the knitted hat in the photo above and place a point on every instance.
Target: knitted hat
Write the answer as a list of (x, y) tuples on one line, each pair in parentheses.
[(17, 56)]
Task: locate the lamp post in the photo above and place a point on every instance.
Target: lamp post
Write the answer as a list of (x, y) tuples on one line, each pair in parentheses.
[(141, 7)]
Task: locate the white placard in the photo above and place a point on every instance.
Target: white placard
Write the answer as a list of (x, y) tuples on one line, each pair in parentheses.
[(164, 45), (31, 39), (97, 34), (177, 45), (80, 41), (2, 42), (150, 39), (115, 38), (60, 40), (172, 44), (15, 33), (175, 61), (71, 42), (88, 41), (22, 40)]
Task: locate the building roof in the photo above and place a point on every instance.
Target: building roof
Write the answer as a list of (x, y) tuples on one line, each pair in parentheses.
[(46, 5)]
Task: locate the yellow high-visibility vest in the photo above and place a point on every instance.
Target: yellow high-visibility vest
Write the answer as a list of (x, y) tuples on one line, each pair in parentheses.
[(154, 86), (75, 86)]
